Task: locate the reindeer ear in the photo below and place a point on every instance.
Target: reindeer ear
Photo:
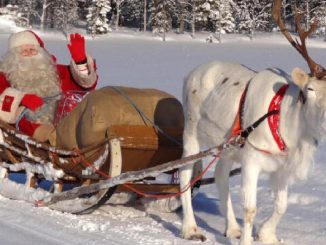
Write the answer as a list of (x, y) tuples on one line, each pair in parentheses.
[(299, 77)]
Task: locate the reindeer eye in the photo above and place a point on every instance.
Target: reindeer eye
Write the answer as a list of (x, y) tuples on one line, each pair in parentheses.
[(310, 89)]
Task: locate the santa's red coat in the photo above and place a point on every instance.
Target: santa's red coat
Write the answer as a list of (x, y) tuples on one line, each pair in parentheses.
[(70, 79)]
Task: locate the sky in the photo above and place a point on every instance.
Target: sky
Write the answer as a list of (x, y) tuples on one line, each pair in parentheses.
[(131, 58)]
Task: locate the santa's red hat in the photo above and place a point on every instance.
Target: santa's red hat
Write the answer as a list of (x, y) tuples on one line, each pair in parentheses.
[(24, 37)]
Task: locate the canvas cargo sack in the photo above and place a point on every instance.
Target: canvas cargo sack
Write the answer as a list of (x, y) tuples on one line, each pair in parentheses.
[(88, 123)]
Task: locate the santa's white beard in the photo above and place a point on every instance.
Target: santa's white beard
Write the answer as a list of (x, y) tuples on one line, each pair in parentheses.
[(34, 75)]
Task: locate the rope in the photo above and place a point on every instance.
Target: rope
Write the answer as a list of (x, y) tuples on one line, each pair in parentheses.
[(128, 186), (47, 98), (145, 117), (239, 139), (20, 117)]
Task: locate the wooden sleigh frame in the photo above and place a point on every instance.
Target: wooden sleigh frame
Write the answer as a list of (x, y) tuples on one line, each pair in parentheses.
[(127, 148)]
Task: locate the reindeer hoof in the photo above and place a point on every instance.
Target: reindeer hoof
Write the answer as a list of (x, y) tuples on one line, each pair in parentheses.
[(194, 235), (233, 233), (198, 237), (272, 239)]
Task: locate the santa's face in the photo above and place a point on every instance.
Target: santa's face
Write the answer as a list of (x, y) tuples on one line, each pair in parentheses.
[(31, 69), (28, 50)]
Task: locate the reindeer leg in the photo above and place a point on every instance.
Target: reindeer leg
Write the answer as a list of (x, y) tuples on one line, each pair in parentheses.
[(190, 230), (222, 170), (250, 173), (267, 232)]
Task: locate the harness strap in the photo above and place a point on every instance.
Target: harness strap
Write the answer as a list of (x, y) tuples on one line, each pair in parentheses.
[(273, 116), (274, 121), (237, 125), (245, 133)]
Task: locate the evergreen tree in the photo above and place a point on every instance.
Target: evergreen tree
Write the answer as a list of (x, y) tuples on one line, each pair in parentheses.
[(253, 15), (14, 13), (217, 16), (212, 15), (288, 14), (64, 14), (97, 17), (83, 6), (320, 15), (117, 6), (187, 14), (227, 11), (309, 7), (183, 13), (135, 13), (35, 11), (26, 13), (3, 3), (197, 17), (161, 18)]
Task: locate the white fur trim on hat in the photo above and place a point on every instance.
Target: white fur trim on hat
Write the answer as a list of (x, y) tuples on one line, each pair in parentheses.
[(21, 38)]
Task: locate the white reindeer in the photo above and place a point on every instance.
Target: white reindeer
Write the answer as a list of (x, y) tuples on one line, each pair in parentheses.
[(283, 145)]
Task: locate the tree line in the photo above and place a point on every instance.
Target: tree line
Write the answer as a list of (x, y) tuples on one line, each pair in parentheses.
[(161, 16)]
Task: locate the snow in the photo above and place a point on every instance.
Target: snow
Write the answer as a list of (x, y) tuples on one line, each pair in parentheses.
[(132, 58)]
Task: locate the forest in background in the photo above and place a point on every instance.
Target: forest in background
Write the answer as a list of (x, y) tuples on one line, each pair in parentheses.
[(161, 16)]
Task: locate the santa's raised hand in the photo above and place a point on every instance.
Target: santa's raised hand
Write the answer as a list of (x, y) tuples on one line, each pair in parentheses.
[(77, 48)]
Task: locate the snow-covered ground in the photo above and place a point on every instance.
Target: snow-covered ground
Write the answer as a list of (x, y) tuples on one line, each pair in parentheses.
[(141, 60)]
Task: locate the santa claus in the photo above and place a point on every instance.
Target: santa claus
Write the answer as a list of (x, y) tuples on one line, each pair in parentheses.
[(32, 85)]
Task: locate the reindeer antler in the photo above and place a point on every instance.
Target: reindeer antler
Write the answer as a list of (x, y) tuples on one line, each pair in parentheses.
[(316, 70)]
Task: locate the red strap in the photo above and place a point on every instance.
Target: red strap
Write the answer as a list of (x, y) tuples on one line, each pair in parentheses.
[(237, 127), (274, 120)]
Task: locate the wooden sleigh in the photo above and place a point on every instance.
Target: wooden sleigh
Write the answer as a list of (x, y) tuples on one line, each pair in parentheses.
[(127, 148), (128, 160)]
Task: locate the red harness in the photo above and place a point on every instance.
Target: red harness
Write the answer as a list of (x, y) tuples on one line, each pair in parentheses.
[(273, 119)]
